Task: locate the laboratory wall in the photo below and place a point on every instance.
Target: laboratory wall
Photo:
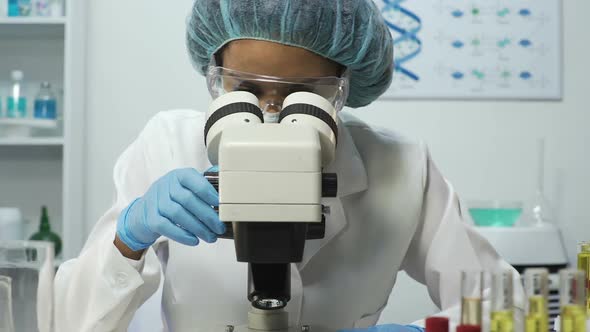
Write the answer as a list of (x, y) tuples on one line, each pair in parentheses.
[(137, 66)]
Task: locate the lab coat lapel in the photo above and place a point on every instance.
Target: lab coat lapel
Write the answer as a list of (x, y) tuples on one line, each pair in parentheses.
[(352, 178)]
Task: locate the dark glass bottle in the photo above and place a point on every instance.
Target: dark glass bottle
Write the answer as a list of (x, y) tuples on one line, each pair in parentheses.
[(45, 233)]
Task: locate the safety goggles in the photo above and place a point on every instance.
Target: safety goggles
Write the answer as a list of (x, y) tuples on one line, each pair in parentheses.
[(271, 91)]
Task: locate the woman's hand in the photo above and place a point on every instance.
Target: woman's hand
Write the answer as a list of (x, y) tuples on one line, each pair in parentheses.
[(178, 206)]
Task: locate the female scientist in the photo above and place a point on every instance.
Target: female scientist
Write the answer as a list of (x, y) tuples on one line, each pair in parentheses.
[(394, 210)]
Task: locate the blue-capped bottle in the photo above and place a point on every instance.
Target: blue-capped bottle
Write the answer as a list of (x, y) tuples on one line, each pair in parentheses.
[(16, 103), (45, 103), (13, 8)]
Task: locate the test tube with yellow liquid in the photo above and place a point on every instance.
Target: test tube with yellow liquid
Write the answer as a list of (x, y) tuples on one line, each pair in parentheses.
[(471, 295), (572, 291), (536, 287), (502, 302), (584, 265)]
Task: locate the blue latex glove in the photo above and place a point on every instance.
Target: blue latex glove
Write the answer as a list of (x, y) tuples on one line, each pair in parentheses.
[(177, 206), (388, 328)]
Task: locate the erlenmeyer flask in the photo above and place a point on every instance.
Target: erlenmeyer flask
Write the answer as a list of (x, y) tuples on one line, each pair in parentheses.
[(540, 211), (6, 318)]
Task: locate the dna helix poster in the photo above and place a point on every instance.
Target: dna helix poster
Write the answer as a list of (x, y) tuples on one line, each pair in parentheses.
[(469, 49)]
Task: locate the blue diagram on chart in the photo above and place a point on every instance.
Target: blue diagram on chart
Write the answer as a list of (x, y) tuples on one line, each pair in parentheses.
[(405, 26), (474, 48)]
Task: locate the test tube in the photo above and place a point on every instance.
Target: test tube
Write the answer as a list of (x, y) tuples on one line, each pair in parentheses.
[(502, 318), (572, 291), (437, 324), (536, 286), (471, 294), (468, 328), (584, 265)]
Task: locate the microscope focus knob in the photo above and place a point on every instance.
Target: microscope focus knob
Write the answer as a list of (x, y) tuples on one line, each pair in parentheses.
[(329, 185), (213, 178)]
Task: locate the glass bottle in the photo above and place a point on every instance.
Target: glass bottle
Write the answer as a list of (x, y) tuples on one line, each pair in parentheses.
[(45, 233), (16, 103), (45, 103)]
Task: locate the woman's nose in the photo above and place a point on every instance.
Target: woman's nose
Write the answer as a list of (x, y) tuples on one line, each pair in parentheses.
[(270, 107), (271, 103)]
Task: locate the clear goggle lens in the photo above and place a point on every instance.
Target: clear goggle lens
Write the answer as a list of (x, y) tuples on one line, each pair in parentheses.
[(271, 91)]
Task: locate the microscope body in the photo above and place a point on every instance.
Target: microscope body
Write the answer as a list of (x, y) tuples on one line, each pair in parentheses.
[(270, 173), (271, 185)]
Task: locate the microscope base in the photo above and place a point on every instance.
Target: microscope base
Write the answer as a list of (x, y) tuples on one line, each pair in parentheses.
[(267, 320), (245, 328)]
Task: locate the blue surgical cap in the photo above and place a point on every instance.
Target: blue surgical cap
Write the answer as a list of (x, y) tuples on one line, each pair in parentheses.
[(349, 32)]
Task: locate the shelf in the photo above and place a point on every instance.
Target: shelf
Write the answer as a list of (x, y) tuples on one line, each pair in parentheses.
[(28, 122), (31, 141), (32, 27), (33, 20)]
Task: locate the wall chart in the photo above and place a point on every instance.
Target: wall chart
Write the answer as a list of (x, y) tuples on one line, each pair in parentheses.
[(463, 49)]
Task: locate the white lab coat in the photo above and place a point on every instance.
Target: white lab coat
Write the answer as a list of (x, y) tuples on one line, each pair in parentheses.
[(394, 211)]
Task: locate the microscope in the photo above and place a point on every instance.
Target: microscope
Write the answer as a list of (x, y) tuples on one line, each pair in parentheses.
[(270, 185)]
